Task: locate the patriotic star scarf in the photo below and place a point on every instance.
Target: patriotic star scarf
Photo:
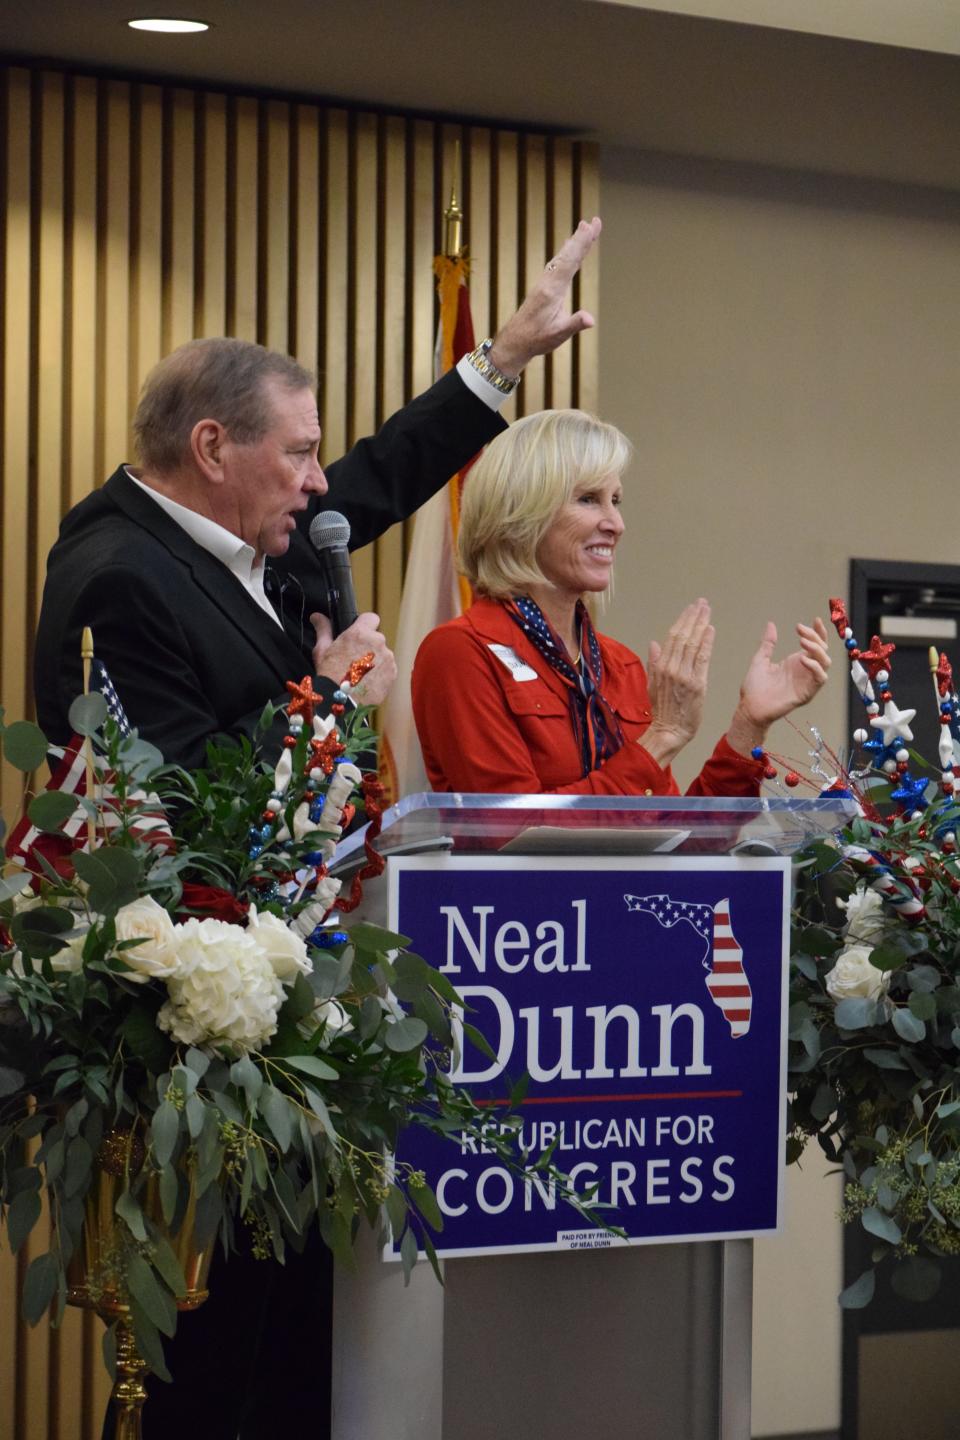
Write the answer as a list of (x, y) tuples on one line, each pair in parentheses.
[(595, 726)]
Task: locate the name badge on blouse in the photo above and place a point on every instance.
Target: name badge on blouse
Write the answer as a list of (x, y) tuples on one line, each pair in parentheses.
[(518, 668)]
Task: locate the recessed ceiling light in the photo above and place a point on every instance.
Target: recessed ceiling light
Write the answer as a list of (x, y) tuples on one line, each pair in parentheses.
[(170, 27)]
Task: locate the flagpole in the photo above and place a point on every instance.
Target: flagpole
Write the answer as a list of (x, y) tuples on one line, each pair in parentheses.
[(86, 655), (453, 215)]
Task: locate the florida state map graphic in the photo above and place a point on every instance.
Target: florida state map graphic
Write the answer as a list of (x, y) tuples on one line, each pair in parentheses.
[(722, 958)]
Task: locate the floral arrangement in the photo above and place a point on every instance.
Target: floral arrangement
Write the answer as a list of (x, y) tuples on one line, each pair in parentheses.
[(172, 994), (875, 985)]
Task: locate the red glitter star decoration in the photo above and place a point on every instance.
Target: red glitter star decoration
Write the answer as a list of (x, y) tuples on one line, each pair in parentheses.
[(324, 753), (944, 675), (304, 698), (359, 668), (877, 657), (838, 616)]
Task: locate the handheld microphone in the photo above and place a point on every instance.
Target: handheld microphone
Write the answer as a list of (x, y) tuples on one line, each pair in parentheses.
[(329, 535)]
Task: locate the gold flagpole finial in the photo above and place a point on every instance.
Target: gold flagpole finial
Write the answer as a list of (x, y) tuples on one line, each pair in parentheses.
[(453, 215)]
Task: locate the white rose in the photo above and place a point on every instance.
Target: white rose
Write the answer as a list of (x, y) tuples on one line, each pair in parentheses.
[(155, 957), (286, 950), (853, 977), (225, 990), (866, 918)]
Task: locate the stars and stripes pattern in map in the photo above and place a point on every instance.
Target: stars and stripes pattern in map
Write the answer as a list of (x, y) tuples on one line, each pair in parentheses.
[(726, 978)]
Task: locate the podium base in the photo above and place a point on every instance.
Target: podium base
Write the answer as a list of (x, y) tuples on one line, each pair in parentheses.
[(639, 1342)]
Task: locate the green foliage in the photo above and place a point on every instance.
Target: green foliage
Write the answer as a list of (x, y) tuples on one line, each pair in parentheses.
[(272, 1138), (874, 1051)]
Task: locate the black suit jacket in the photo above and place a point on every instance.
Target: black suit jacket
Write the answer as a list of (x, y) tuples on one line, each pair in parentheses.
[(190, 653)]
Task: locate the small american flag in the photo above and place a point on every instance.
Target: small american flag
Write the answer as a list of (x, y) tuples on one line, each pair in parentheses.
[(726, 979), (149, 822)]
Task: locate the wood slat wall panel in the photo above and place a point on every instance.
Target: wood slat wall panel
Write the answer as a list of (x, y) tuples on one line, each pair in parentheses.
[(147, 195), (136, 216)]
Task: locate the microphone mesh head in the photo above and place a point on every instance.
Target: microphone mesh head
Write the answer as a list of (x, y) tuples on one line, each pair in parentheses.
[(329, 528)]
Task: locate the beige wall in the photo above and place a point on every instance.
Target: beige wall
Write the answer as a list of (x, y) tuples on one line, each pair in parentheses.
[(782, 351)]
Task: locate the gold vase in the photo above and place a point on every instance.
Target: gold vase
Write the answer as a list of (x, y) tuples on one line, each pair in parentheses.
[(96, 1273)]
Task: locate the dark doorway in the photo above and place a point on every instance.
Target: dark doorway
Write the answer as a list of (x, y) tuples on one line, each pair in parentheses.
[(914, 606)]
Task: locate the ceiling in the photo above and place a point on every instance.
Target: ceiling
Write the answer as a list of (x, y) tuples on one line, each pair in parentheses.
[(914, 24), (630, 76)]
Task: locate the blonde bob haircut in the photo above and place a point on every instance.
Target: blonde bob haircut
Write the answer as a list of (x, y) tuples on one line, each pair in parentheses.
[(518, 486)]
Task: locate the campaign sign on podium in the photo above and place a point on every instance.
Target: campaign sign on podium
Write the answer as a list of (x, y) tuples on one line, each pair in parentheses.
[(646, 1000)]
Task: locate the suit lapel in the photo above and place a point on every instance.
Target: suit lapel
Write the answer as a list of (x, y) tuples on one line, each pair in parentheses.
[(222, 589)]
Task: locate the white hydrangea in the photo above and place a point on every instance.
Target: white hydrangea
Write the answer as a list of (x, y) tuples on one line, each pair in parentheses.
[(225, 990), (854, 978)]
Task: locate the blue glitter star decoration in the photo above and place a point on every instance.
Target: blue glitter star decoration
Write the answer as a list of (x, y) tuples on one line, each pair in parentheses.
[(910, 793)]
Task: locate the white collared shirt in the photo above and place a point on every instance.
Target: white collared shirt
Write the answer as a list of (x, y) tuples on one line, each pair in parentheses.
[(223, 545)]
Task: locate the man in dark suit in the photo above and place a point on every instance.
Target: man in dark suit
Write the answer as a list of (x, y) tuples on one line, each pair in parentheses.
[(166, 565), (166, 562)]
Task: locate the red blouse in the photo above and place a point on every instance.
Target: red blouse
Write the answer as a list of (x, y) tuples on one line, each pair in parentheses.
[(491, 725)]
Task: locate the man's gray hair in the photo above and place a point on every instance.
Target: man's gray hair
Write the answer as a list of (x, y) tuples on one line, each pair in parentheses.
[(218, 379)]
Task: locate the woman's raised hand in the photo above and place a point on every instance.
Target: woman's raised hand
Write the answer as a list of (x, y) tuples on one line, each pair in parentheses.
[(772, 688), (677, 678)]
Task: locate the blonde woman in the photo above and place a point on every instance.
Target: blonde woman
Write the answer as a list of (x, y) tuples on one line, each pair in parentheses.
[(522, 694)]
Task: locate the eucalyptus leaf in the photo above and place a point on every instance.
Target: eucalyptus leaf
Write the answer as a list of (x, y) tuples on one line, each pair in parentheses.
[(396, 1212), (149, 1344), (312, 1065), (87, 713), (907, 1026), (129, 1211), (24, 745), (157, 1302), (164, 1132), (246, 1074), (860, 1293), (428, 1009), (883, 1226), (168, 1266), (408, 1254), (197, 1061), (923, 1005), (426, 1202), (816, 940), (916, 1278), (413, 976), (806, 964), (855, 1014), (78, 1166), (887, 957), (924, 978), (195, 1111), (168, 1186), (405, 1034), (21, 1217), (11, 885), (40, 932), (885, 1059), (278, 1113), (373, 938), (50, 809)]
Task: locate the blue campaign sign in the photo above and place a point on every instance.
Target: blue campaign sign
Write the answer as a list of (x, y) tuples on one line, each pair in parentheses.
[(646, 999)]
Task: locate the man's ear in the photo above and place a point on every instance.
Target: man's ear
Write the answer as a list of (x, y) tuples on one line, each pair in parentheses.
[(207, 439)]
